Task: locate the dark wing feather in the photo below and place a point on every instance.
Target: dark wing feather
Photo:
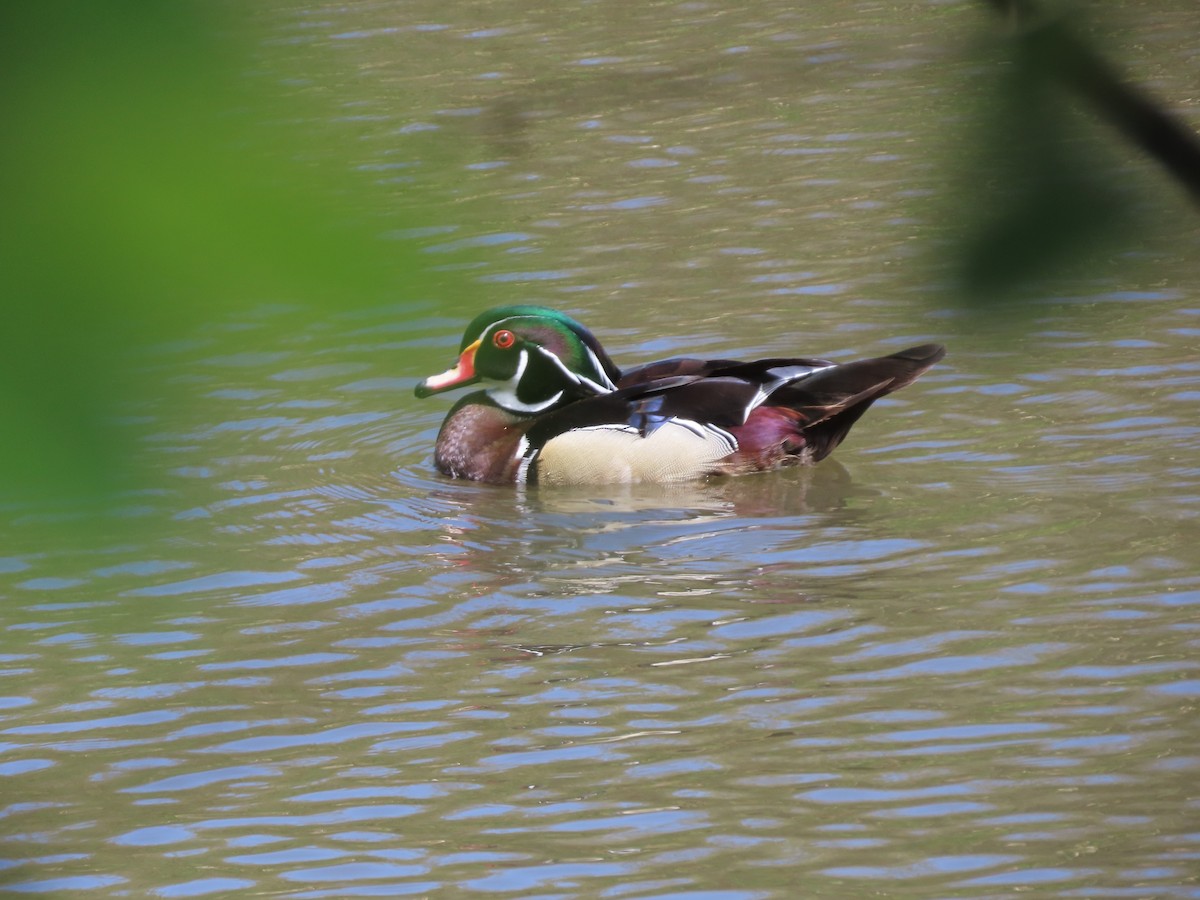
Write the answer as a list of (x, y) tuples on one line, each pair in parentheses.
[(757, 370), (887, 373), (765, 371), (830, 401), (682, 366), (723, 402)]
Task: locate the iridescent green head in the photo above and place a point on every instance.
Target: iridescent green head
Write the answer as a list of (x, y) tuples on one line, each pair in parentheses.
[(530, 360)]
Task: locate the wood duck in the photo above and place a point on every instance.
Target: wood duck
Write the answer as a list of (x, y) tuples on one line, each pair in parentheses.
[(556, 410)]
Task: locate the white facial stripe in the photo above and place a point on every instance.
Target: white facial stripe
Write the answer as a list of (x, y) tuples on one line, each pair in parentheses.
[(505, 395), (597, 388), (557, 362), (574, 376), (510, 402), (600, 387), (608, 385)]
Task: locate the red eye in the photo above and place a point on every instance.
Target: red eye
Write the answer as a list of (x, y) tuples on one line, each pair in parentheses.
[(504, 339)]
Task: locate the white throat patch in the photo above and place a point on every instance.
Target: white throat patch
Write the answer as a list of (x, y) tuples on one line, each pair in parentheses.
[(505, 394)]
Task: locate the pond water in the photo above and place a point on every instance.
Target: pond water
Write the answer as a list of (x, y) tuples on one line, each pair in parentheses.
[(959, 658)]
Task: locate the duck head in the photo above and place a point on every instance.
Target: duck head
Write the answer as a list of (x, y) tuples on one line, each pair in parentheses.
[(529, 359)]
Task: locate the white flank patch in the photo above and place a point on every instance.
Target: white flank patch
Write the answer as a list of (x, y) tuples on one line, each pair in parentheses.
[(679, 450)]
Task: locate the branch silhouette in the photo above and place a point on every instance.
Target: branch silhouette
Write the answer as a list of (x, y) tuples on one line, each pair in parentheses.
[(1072, 62)]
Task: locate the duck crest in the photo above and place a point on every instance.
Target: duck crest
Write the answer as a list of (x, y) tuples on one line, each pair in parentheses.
[(555, 409)]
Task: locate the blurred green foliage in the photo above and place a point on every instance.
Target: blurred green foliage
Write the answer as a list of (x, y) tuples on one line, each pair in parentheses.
[(1043, 188), (162, 166), (157, 172)]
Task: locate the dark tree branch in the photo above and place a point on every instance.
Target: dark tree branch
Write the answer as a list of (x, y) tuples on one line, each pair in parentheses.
[(1073, 63)]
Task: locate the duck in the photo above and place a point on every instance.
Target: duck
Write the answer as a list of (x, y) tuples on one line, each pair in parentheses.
[(554, 409)]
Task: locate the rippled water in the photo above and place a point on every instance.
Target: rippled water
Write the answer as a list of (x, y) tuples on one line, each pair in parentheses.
[(957, 659)]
